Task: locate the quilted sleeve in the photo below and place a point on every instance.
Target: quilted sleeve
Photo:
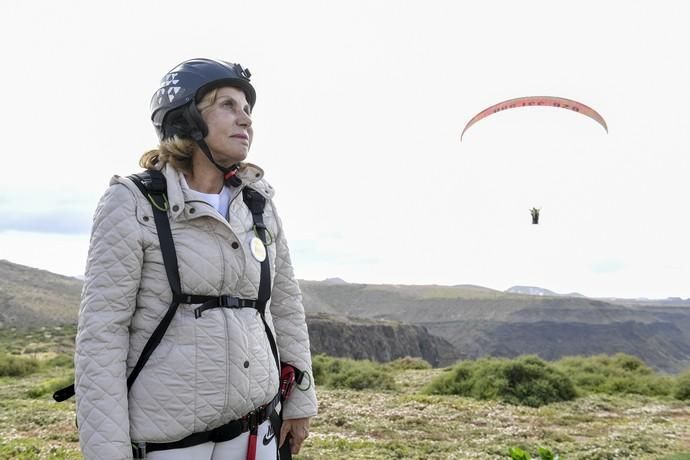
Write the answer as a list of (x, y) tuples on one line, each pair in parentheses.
[(291, 329), (113, 271)]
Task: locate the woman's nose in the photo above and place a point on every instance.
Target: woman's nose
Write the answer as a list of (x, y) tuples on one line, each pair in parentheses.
[(244, 120)]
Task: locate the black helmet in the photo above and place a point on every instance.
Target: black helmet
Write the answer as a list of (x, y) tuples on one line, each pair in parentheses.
[(184, 86)]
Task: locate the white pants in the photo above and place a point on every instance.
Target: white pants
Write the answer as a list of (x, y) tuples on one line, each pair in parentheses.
[(235, 449)]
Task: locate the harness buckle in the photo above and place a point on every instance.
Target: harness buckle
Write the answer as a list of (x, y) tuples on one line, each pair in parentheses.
[(139, 450), (155, 183), (251, 420), (228, 302)]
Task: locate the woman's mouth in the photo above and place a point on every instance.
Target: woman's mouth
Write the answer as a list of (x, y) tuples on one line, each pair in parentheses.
[(241, 137)]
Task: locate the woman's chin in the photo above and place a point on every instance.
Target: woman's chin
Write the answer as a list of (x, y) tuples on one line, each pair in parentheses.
[(234, 159)]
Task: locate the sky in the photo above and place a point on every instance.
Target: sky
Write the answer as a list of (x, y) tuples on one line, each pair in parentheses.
[(360, 106)]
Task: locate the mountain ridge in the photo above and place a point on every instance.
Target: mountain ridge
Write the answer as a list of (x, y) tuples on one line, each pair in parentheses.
[(449, 322)]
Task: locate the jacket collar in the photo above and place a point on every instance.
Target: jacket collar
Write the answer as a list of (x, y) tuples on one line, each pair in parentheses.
[(249, 174)]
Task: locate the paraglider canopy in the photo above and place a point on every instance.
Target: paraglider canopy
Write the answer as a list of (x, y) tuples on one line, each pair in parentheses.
[(538, 101)]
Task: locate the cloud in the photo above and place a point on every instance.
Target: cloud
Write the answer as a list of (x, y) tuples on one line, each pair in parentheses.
[(59, 222), (39, 211)]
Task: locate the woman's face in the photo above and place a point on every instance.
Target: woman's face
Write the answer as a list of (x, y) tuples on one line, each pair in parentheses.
[(229, 124)]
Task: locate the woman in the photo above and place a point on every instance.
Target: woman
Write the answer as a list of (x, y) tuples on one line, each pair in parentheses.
[(216, 365)]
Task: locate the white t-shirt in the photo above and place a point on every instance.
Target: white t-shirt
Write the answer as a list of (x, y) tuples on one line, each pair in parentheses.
[(220, 201)]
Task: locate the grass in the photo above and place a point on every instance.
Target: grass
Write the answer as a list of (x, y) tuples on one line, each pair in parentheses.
[(396, 423), (405, 424), (409, 425), (37, 342)]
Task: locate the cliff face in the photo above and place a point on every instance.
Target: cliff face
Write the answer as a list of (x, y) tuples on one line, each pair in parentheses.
[(380, 341)]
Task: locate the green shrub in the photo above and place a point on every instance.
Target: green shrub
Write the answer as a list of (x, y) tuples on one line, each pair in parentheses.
[(617, 374), (630, 364), (515, 453), (407, 363), (681, 389), (322, 367), (546, 454), (50, 386), (17, 366), (527, 380), (349, 373)]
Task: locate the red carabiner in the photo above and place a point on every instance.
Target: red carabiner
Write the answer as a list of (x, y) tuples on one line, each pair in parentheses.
[(287, 380)]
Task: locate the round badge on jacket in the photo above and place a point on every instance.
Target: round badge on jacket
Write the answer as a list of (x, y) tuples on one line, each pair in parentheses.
[(257, 248)]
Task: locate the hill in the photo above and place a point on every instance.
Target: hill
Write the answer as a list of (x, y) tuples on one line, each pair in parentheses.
[(530, 290), (480, 321), (440, 323), (34, 298)]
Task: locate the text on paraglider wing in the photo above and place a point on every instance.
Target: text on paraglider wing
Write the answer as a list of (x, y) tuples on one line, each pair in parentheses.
[(536, 103)]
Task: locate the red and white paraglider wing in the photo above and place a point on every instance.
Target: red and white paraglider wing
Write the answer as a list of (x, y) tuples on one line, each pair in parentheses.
[(538, 101)]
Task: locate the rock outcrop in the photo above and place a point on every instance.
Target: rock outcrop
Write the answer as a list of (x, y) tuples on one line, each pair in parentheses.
[(376, 340)]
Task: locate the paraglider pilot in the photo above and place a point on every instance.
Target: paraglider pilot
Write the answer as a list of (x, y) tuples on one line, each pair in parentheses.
[(535, 215)]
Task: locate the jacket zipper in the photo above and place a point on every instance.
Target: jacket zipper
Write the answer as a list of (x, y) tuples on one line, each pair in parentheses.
[(226, 220)]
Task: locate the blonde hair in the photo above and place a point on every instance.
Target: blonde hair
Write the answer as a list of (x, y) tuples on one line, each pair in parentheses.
[(176, 150)]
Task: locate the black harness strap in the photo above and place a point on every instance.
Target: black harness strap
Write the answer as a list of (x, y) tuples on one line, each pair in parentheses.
[(250, 422), (152, 184), (223, 433), (256, 203)]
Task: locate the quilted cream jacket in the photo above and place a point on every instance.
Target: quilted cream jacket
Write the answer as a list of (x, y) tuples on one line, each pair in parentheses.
[(206, 371)]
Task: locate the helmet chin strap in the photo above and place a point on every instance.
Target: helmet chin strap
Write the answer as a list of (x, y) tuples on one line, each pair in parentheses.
[(229, 173)]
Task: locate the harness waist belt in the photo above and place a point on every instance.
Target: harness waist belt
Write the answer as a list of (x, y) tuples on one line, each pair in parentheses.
[(226, 432)]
